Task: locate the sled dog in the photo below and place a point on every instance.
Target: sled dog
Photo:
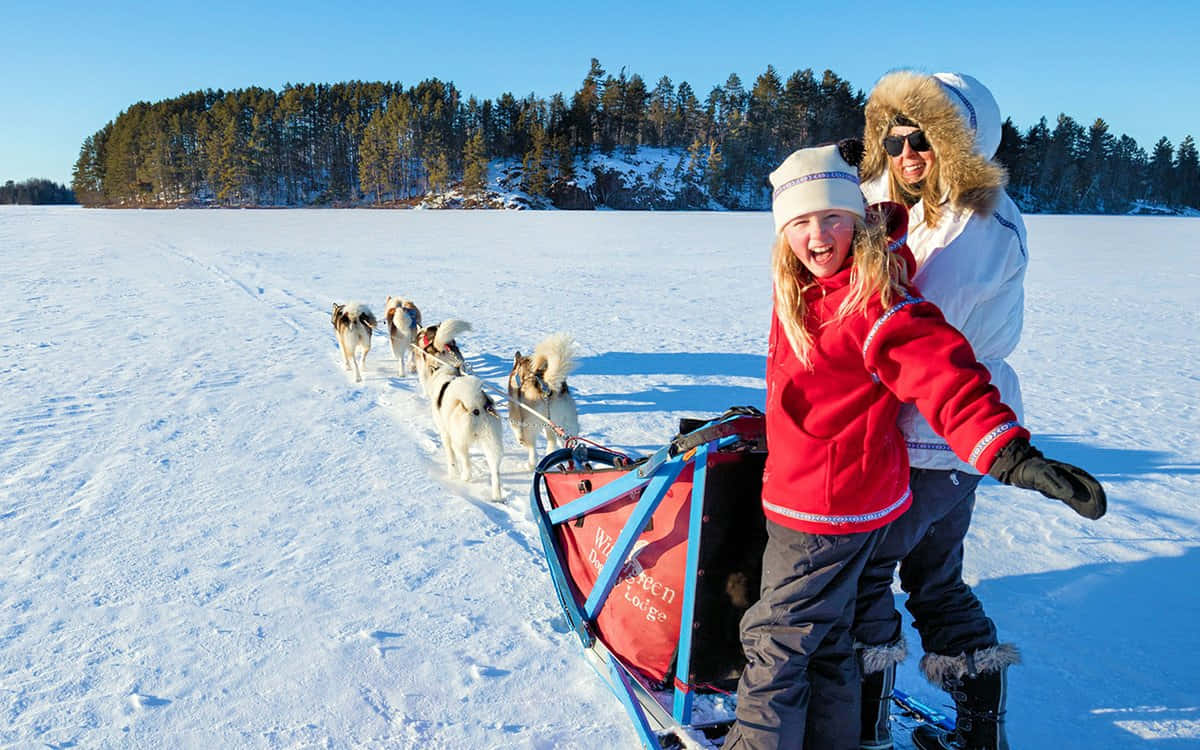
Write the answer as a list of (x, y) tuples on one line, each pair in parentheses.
[(465, 416), (438, 345), (353, 323), (539, 382), (403, 322)]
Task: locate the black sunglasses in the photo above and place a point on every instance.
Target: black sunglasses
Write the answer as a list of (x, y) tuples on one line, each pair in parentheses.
[(894, 144)]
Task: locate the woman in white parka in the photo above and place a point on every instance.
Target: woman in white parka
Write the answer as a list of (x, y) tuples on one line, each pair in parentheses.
[(929, 143)]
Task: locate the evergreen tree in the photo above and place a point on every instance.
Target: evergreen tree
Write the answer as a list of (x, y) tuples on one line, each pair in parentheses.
[(1060, 171), (764, 118), (800, 106), (1162, 171), (87, 177), (1187, 174), (633, 113), (659, 113), (585, 108), (714, 172), (1011, 146), (375, 165), (1129, 173), (564, 159), (688, 117), (535, 179), (437, 168), (1095, 189), (697, 165), (612, 102), (475, 164)]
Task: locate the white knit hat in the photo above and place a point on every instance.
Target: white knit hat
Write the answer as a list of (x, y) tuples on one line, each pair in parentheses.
[(814, 179)]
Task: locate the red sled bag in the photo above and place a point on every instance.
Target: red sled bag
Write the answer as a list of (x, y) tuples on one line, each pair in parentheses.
[(640, 620)]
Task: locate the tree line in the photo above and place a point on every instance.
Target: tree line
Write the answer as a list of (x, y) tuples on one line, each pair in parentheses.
[(380, 143), (35, 192)]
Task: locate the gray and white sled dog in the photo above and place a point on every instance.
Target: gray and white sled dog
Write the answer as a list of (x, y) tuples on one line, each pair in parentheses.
[(465, 417), (539, 382), (354, 323), (403, 322), (438, 345)]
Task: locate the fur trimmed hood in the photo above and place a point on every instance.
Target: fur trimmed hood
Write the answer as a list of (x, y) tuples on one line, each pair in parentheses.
[(960, 118)]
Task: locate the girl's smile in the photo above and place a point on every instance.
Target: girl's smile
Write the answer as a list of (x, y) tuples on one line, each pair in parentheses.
[(821, 240)]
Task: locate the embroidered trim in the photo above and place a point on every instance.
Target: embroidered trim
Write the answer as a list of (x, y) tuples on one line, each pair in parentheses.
[(814, 176), (990, 438), (895, 244), (1006, 223), (837, 520), (961, 97), (929, 446), (884, 318)]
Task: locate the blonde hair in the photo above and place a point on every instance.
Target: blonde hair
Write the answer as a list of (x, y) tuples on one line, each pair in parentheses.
[(875, 272), (930, 192)]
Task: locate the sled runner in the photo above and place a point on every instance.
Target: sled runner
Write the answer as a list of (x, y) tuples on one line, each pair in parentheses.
[(654, 560)]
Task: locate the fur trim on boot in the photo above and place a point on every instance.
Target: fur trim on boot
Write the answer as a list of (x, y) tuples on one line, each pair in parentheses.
[(879, 658), (942, 670)]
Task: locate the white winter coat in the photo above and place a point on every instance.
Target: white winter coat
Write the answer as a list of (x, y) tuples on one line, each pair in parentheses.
[(973, 267)]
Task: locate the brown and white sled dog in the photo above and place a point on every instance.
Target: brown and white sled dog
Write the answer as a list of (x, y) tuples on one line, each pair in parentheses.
[(438, 346), (539, 382), (354, 323), (403, 322), (465, 417)]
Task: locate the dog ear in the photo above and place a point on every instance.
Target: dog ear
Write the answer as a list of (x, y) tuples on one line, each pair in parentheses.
[(517, 357)]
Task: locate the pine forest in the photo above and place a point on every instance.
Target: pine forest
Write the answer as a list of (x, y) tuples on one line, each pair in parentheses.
[(384, 144)]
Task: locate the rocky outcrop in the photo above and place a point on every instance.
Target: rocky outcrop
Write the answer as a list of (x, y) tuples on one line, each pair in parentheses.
[(620, 191), (565, 194)]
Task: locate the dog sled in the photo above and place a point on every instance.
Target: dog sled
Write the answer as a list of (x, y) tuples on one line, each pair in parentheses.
[(654, 560)]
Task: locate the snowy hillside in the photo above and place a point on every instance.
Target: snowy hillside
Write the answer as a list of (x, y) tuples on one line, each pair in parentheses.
[(211, 537)]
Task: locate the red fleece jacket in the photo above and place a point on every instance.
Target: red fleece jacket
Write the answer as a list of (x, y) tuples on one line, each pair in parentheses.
[(837, 462)]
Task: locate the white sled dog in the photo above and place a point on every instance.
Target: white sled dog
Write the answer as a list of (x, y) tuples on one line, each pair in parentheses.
[(465, 416), (403, 322), (438, 346), (354, 323), (539, 382)]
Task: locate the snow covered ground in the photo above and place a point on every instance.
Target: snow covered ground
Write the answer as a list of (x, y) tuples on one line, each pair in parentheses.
[(211, 537)]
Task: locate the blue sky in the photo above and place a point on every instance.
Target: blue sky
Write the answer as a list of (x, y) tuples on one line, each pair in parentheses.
[(70, 67)]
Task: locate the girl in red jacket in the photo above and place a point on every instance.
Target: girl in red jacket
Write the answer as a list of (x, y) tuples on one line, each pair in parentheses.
[(850, 340)]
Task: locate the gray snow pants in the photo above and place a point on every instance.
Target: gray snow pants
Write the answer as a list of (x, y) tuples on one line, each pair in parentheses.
[(927, 542), (800, 686)]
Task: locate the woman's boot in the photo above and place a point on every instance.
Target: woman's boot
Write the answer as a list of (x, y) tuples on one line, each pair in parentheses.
[(978, 683)]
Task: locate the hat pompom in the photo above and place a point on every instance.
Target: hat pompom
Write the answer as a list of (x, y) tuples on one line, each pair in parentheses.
[(851, 150)]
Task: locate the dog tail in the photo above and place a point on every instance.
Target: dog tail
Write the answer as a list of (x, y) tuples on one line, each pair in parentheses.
[(466, 393), (401, 320), (555, 355), (358, 312), (448, 331), (413, 312)]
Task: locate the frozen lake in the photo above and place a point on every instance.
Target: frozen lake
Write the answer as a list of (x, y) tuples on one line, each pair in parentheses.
[(211, 537)]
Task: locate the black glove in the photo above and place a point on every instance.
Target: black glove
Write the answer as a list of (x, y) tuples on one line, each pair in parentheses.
[(1022, 465)]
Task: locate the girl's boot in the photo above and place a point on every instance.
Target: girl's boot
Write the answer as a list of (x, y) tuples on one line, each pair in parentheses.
[(876, 709)]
